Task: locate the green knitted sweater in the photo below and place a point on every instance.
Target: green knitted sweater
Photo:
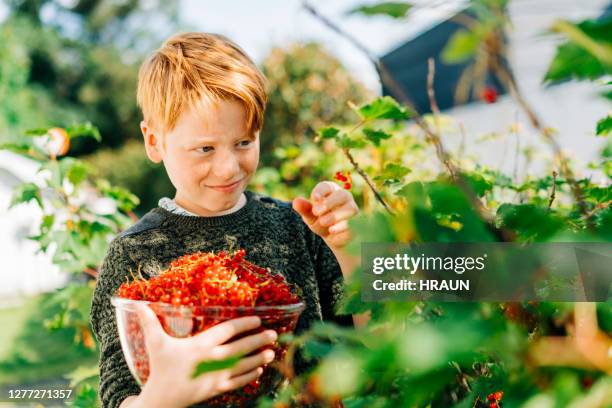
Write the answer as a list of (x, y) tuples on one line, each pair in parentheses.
[(271, 232)]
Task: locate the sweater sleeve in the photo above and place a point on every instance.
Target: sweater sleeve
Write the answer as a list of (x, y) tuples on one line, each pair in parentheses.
[(116, 381), (331, 283)]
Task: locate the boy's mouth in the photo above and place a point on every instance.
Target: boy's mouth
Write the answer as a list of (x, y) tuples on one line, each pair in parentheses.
[(226, 187)]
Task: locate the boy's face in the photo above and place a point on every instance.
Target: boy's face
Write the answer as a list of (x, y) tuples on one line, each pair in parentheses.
[(209, 158)]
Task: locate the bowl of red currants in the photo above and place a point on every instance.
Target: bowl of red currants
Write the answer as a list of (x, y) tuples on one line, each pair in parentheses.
[(200, 290)]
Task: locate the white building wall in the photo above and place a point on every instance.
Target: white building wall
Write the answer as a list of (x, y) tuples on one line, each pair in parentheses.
[(573, 108), (22, 271)]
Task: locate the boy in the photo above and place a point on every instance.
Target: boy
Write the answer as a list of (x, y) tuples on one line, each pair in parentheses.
[(203, 103)]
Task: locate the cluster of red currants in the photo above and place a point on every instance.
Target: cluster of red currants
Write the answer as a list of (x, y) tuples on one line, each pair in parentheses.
[(344, 177), (209, 279), (495, 399)]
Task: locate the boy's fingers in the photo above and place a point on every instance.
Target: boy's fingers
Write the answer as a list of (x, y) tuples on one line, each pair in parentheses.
[(339, 214), (250, 363), (151, 328), (245, 345), (339, 227), (334, 199), (322, 190), (303, 207), (240, 381), (222, 332)]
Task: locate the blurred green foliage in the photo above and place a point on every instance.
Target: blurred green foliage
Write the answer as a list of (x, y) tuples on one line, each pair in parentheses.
[(68, 62), (40, 354), (307, 88)]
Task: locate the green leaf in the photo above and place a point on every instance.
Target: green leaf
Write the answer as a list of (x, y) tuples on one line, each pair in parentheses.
[(84, 130), (449, 205), (214, 365), (604, 126), (347, 142), (314, 349), (328, 132), (606, 152), (586, 55), (126, 201), (375, 136), (86, 397), (73, 302), (25, 148), (415, 194), (376, 227), (384, 108), (529, 221), (45, 228), (597, 194), (332, 331), (352, 303), (573, 62), (461, 46), (592, 35), (36, 132), (479, 184), (26, 192), (76, 171), (393, 171), (604, 223), (47, 222), (21, 148), (392, 9)]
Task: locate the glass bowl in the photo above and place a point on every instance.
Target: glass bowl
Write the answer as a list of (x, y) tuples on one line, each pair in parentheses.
[(185, 321)]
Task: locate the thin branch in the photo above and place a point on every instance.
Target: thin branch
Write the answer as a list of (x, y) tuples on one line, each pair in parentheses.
[(431, 72), (365, 176), (598, 207), (362, 172), (132, 215), (91, 272), (554, 189), (435, 137)]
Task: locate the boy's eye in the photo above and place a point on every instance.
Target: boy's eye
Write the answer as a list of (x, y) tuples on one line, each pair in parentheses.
[(206, 149), (244, 143)]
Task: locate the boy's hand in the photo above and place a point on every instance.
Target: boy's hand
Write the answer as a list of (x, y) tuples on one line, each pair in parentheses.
[(173, 360), (327, 213)]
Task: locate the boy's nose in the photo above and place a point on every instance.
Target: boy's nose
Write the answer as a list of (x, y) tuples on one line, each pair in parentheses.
[(226, 168)]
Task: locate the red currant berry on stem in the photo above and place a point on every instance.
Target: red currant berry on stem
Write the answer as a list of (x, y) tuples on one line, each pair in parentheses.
[(489, 95)]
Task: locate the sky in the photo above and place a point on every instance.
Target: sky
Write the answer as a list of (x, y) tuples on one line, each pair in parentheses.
[(257, 26)]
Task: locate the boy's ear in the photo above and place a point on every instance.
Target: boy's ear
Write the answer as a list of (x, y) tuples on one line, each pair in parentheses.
[(152, 143)]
